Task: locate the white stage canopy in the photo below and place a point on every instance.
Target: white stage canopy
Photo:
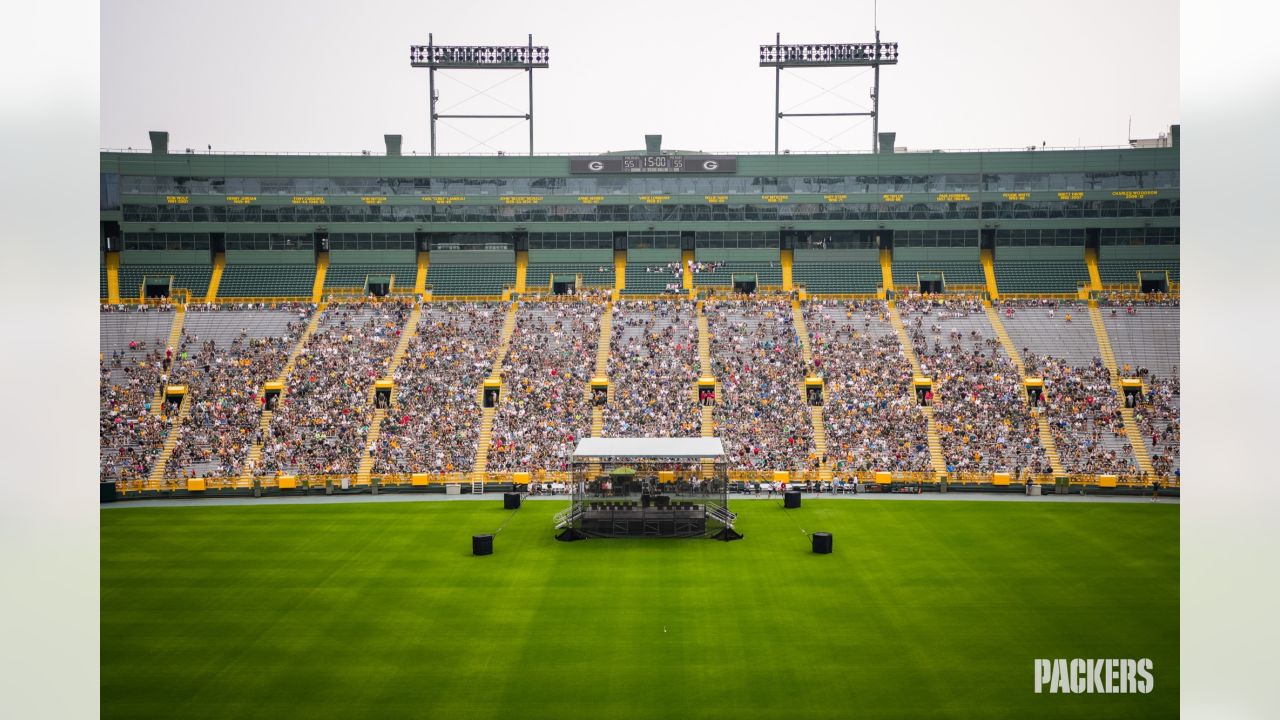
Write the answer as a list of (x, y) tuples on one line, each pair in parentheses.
[(679, 448)]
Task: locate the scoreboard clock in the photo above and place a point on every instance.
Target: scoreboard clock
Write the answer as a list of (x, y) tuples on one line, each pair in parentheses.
[(622, 164)]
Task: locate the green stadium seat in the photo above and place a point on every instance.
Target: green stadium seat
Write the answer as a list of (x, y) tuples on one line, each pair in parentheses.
[(767, 273), (1126, 270), (539, 275), (958, 272), (267, 281), (479, 279), (192, 277), (1040, 276), (353, 275), (837, 277)]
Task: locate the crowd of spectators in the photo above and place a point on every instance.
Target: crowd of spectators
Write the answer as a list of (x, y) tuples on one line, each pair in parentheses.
[(980, 412), (321, 424), (1084, 415), (544, 409), (224, 386), (652, 373), (130, 377), (434, 420), (758, 361), (1159, 421), (871, 415)]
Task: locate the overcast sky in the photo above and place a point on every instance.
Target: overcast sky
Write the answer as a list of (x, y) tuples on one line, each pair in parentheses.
[(334, 76)]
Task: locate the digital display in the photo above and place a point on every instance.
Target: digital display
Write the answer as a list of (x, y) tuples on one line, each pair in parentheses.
[(308, 200), (654, 164), (177, 199), (242, 199)]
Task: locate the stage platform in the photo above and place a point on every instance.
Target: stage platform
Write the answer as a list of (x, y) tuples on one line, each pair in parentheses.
[(633, 519)]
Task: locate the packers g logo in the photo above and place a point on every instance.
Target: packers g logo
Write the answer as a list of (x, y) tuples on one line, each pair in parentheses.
[(595, 166), (710, 165)]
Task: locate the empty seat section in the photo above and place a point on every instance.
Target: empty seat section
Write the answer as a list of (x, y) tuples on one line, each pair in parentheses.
[(192, 277), (1115, 272), (837, 277), (953, 271), (479, 279), (650, 279), (721, 273), (267, 281), (538, 275), (353, 275), (102, 281), (1040, 276)]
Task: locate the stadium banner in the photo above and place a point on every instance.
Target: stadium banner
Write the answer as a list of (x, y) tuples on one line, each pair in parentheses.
[(653, 164)]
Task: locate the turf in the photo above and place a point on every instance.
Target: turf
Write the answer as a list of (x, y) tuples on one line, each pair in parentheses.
[(925, 609)]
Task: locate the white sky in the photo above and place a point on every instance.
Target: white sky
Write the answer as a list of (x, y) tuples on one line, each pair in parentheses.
[(329, 76)]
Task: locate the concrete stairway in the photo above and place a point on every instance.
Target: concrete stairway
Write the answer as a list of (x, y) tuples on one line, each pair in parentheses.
[(407, 334), (937, 460), (175, 339), (322, 269), (815, 413), (1131, 430), (215, 278), (113, 277), (1042, 421), (485, 439), (522, 270), (886, 269), (264, 424), (989, 272), (170, 441), (420, 280)]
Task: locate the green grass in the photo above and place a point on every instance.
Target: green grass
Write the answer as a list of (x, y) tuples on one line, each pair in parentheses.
[(926, 609)]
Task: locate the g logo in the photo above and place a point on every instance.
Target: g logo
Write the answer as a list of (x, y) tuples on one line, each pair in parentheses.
[(710, 165), (595, 166)]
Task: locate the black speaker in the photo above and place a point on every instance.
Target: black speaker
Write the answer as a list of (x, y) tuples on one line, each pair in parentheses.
[(791, 499), (822, 543), (481, 544), (511, 501), (106, 492)]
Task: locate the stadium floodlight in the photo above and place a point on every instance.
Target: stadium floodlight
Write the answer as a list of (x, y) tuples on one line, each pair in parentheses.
[(873, 55), (478, 57)]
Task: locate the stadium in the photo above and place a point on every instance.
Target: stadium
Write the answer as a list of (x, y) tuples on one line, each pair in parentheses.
[(325, 380)]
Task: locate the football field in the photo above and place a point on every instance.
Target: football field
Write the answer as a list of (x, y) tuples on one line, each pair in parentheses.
[(368, 609)]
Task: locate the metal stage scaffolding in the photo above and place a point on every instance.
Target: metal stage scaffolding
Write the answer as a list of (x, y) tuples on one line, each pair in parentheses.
[(648, 487)]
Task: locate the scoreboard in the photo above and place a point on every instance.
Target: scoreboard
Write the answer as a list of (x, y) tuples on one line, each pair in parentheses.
[(622, 164)]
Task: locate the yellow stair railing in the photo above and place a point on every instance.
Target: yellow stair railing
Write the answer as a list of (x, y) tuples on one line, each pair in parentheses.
[(175, 339), (322, 269), (989, 272), (171, 439), (815, 413), (522, 269), (420, 280), (485, 439), (1091, 262), (113, 277), (410, 330), (886, 269)]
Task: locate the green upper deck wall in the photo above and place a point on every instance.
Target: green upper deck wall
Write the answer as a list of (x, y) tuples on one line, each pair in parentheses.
[(913, 163)]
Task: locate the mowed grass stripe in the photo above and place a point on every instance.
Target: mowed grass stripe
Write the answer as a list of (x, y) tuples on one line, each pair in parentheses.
[(379, 610)]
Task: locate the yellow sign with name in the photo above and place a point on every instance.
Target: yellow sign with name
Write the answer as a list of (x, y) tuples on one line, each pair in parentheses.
[(521, 199), (893, 197), (655, 199), (1070, 196), (308, 200), (373, 199), (1016, 196), (242, 199), (952, 197), (443, 199), (716, 199), (836, 198), (590, 199), (177, 199), (1133, 194), (774, 198)]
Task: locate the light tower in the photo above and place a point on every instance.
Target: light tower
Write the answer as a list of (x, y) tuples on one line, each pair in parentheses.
[(478, 57), (872, 55)]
